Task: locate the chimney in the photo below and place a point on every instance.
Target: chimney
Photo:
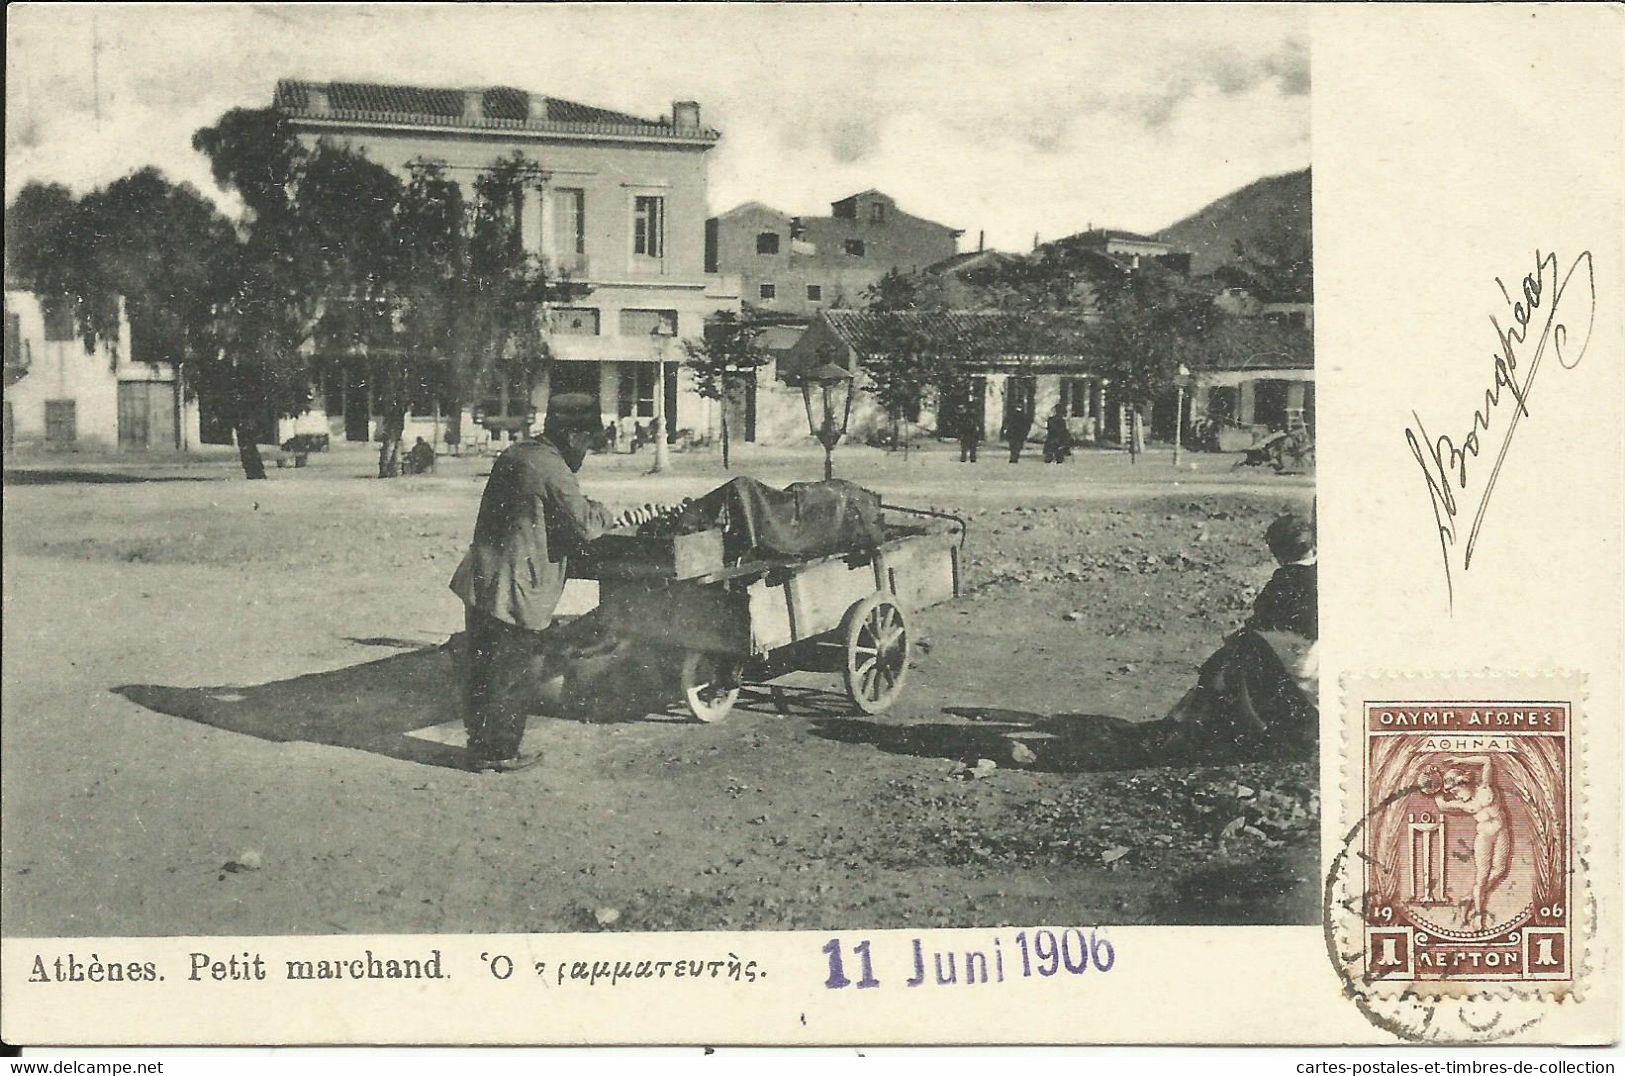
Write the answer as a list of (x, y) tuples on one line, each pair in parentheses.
[(685, 115), (473, 104), (535, 108), (981, 238)]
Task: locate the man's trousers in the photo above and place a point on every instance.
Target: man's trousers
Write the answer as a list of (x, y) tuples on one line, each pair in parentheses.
[(504, 669)]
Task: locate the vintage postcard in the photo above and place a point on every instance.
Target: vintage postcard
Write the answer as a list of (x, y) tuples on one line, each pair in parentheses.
[(813, 524)]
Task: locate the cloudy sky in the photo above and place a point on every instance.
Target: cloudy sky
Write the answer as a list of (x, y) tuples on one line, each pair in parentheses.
[(1013, 120)]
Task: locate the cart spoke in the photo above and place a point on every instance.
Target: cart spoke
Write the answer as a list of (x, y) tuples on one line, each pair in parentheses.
[(867, 682)]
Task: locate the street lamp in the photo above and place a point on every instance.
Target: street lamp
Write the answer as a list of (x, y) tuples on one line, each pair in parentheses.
[(660, 334), (830, 379), (1180, 382)]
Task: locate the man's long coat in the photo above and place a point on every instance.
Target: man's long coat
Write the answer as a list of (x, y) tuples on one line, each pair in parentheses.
[(532, 517)]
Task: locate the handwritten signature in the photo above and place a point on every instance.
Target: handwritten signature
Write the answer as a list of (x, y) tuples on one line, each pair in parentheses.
[(1444, 462)]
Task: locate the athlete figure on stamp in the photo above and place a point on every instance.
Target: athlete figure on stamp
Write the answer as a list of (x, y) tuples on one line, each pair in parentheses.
[(1471, 792)]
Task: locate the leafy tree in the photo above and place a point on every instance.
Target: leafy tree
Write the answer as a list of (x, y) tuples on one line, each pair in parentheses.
[(1282, 263), (467, 299), (724, 362), (1151, 320), (907, 363), (161, 249), (305, 255), (50, 246), (432, 291)]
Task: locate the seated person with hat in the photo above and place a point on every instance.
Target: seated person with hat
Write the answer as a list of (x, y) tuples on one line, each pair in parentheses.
[(1258, 692)]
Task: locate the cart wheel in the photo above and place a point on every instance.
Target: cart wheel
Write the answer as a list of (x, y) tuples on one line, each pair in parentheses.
[(710, 685), (877, 652)]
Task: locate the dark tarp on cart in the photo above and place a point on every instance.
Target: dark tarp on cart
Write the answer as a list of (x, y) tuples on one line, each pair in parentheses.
[(805, 519)]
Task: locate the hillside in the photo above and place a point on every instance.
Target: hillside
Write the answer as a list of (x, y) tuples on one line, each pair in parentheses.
[(1274, 204)]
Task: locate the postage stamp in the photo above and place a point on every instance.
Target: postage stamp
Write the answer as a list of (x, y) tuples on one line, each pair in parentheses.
[(1468, 850)]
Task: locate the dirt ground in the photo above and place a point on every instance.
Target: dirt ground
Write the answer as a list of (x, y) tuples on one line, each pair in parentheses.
[(227, 708)]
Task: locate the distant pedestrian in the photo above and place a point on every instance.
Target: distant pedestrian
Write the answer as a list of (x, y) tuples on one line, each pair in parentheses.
[(969, 418), (1057, 437), (970, 438), (1018, 423)]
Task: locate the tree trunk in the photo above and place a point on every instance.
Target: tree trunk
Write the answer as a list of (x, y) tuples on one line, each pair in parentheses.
[(247, 451), (389, 452), (724, 435)]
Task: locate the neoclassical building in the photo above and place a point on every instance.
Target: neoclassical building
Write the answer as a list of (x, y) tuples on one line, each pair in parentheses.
[(620, 208)]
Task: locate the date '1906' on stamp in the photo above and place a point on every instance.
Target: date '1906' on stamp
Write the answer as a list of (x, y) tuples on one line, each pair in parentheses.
[(1468, 845)]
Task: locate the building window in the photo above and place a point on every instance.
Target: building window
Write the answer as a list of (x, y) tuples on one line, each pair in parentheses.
[(58, 315), (854, 247), (877, 213), (429, 400), (767, 242), (570, 229), (61, 422), (768, 291), (637, 395), (649, 226), (502, 402), (1075, 396), (575, 321), (16, 350), (644, 322), (333, 392), (815, 293)]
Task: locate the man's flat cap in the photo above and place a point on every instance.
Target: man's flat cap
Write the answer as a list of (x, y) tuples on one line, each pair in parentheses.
[(573, 410)]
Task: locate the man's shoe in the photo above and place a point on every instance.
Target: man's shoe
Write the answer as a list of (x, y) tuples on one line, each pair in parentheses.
[(524, 760)]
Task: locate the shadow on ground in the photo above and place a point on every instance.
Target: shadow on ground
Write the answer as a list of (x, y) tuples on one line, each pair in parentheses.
[(33, 477), (375, 706), (367, 707), (1058, 743)]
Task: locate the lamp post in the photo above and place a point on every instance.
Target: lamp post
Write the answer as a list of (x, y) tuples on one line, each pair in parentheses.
[(1180, 382), (660, 334), (830, 380)]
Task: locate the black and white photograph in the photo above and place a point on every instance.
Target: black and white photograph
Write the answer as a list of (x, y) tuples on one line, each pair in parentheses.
[(603, 468)]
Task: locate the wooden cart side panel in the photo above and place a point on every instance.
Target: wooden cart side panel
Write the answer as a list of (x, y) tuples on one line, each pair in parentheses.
[(809, 601), (618, 555), (772, 618), (923, 574), (679, 615)]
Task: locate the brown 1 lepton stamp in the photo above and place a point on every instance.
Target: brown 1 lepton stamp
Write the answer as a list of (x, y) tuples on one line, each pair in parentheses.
[(1455, 902), (1468, 854)]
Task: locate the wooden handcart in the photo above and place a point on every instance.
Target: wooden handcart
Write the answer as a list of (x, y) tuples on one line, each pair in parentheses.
[(719, 626)]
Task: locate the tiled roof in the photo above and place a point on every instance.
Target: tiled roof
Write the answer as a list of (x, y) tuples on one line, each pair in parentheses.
[(953, 263), (500, 107), (1256, 344)]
